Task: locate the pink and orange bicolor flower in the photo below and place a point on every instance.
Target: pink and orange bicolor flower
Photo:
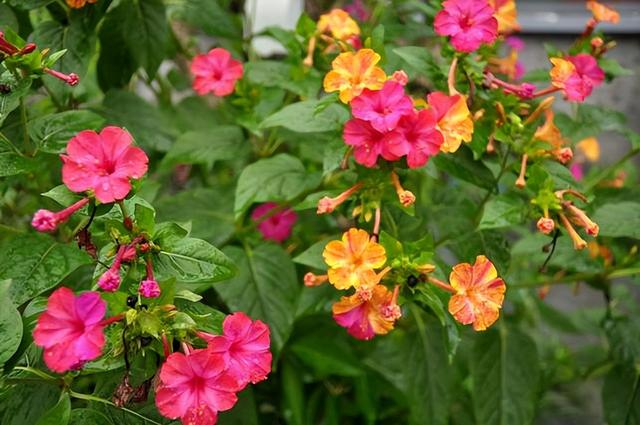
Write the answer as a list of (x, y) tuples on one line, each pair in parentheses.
[(353, 72), (576, 76), (507, 15), (603, 13), (453, 119), (368, 313)]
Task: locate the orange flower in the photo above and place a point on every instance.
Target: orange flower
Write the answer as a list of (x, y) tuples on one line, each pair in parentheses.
[(590, 148), (353, 72), (339, 24), (506, 65), (549, 132), (77, 4), (454, 119), (506, 14), (602, 13), (367, 313), (479, 293), (353, 259)]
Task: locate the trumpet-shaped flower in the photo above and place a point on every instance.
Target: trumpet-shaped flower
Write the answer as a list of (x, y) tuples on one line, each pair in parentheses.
[(353, 72), (277, 227), (245, 346), (215, 72), (195, 387), (576, 76), (382, 108), (422, 139), (368, 313), (103, 163), (506, 14), (370, 143), (453, 119), (479, 293), (352, 260), (70, 329), (48, 221), (339, 24), (470, 23)]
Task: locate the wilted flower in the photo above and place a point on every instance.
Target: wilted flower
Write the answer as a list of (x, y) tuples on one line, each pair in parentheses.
[(479, 293), (215, 72), (70, 329), (470, 23), (453, 119), (576, 76), (48, 221), (382, 108), (195, 386), (353, 72), (277, 227), (353, 259), (245, 346), (368, 313), (103, 163)]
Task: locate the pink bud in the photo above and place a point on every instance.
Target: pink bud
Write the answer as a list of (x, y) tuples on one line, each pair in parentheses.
[(400, 77), (28, 48), (149, 288), (44, 221), (546, 225), (110, 280), (564, 155), (71, 79)]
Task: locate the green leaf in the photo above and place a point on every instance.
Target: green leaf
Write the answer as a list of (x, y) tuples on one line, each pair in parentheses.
[(88, 417), (52, 132), (12, 164), (10, 325), (29, 4), (265, 288), (505, 370), (502, 211), (302, 117), (37, 263), (27, 402), (210, 212), (58, 414), (293, 394), (490, 243), (421, 62), (10, 101), (8, 18), (613, 69), (206, 147), (619, 220), (192, 260), (147, 32), (279, 178), (116, 63), (211, 17), (278, 74), (327, 355), (462, 165), (624, 339), (312, 256), (207, 318), (621, 396), (145, 218)]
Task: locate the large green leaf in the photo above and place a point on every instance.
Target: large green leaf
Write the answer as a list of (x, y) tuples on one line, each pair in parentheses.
[(58, 414), (505, 370), (206, 147), (462, 165), (303, 117), (623, 334), (147, 32), (502, 211), (116, 63), (280, 178), (25, 403), (36, 263), (211, 17), (490, 243), (52, 132), (29, 4), (10, 101), (88, 417), (265, 288), (621, 396), (10, 325), (619, 220), (12, 164)]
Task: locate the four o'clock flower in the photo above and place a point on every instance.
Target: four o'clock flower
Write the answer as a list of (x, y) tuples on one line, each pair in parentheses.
[(368, 312), (77, 4), (195, 386), (353, 72), (103, 163), (421, 138), (370, 143), (382, 108), (215, 72), (470, 23), (506, 14), (149, 287), (576, 76), (479, 293), (353, 259), (276, 226), (339, 24), (603, 13), (48, 221), (453, 119), (71, 330), (110, 280), (244, 344)]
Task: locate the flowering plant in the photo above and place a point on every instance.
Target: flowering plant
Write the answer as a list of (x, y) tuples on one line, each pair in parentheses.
[(374, 226)]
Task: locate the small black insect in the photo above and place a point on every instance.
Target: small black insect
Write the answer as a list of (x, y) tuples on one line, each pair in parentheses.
[(412, 281), (131, 301), (5, 89), (145, 340)]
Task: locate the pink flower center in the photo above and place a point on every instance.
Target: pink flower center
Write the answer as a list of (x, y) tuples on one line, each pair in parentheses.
[(466, 22)]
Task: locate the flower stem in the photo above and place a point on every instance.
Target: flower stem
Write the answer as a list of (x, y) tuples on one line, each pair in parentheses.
[(89, 397), (440, 284)]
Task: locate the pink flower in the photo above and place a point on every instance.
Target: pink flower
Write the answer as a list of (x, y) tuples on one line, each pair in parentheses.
[(103, 163), (276, 227), (245, 346), (370, 143), (515, 43), (577, 76), (70, 329), (358, 10), (110, 280), (422, 139), (48, 221), (195, 387), (216, 72), (149, 288), (382, 108), (470, 23), (577, 171)]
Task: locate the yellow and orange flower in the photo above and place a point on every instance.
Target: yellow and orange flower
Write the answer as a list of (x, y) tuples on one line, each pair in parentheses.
[(368, 313), (339, 24), (602, 13), (353, 72), (77, 4), (506, 14), (479, 293), (453, 119), (506, 66), (562, 70), (353, 259), (590, 148)]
